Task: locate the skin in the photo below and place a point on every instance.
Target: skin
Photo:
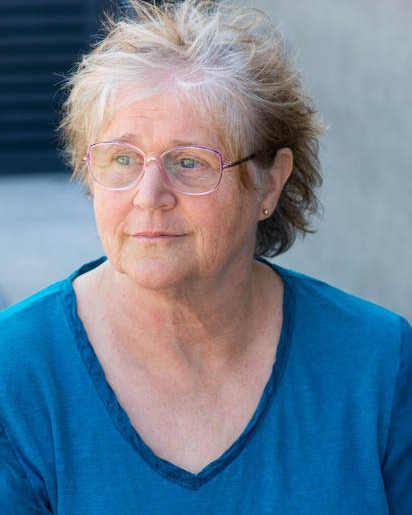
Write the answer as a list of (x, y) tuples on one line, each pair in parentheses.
[(209, 255), (180, 306)]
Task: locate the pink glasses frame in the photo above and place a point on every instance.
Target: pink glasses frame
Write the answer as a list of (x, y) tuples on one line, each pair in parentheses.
[(148, 158)]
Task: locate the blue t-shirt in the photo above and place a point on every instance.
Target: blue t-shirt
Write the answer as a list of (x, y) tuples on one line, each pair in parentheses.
[(332, 433)]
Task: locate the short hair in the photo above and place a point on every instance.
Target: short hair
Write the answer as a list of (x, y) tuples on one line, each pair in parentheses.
[(233, 65)]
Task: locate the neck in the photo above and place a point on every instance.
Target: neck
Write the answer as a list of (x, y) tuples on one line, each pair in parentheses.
[(208, 322)]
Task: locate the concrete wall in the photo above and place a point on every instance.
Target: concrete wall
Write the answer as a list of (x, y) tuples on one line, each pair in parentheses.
[(356, 58), (47, 230)]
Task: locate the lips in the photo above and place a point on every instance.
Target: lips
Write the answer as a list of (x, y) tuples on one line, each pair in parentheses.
[(156, 234)]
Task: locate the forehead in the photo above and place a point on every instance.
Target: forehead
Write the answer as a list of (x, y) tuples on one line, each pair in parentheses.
[(160, 120)]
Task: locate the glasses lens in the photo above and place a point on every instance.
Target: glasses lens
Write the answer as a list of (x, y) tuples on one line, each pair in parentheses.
[(192, 169), (115, 165)]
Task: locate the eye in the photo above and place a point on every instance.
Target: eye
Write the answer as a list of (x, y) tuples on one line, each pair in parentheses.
[(124, 160), (189, 162)]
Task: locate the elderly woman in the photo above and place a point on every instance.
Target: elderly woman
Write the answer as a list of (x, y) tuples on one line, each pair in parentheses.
[(184, 373)]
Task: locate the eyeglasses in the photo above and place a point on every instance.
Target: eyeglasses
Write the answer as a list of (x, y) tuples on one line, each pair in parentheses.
[(189, 170)]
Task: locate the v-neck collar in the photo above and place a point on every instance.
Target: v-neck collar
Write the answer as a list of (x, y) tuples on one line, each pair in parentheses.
[(121, 419)]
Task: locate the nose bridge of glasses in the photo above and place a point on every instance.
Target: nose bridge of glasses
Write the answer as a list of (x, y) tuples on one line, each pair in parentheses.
[(154, 159), (151, 158)]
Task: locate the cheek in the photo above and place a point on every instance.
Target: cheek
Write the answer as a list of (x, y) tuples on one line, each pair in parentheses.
[(110, 215), (225, 224)]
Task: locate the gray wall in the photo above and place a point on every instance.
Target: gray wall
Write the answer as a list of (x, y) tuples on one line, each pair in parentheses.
[(356, 58)]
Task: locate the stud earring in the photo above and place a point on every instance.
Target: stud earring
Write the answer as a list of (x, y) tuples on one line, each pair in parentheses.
[(266, 212)]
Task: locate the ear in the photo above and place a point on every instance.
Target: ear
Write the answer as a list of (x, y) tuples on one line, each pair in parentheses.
[(276, 180)]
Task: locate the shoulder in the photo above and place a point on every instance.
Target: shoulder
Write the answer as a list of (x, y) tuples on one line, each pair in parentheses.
[(29, 318), (28, 332), (41, 315), (337, 308), (349, 355), (33, 332), (336, 325)]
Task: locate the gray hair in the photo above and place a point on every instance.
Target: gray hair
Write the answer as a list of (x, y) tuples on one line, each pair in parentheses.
[(232, 65)]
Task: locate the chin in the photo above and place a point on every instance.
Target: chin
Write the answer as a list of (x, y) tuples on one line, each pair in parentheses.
[(155, 273)]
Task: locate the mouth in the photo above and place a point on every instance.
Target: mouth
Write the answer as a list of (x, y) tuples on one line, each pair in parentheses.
[(156, 235)]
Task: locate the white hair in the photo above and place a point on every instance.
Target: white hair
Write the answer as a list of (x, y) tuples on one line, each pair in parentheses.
[(229, 62)]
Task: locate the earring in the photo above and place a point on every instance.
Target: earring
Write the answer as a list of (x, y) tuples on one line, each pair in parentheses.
[(266, 212)]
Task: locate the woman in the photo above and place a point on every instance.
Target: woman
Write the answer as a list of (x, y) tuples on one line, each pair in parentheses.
[(180, 374)]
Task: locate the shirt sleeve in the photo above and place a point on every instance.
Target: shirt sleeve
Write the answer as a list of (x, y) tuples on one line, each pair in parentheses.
[(17, 495), (397, 464)]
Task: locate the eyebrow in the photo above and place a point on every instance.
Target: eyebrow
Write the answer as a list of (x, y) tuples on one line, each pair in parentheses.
[(132, 139), (126, 138)]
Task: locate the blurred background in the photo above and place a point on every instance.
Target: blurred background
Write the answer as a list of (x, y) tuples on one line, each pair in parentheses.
[(355, 58)]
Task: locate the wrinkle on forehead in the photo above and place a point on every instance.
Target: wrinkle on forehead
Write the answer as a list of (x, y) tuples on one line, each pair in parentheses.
[(160, 120)]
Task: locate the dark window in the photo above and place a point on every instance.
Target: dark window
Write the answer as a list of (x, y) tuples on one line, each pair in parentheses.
[(39, 42)]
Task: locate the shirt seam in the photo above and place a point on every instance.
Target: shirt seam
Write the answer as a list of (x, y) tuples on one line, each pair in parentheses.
[(25, 477), (394, 394)]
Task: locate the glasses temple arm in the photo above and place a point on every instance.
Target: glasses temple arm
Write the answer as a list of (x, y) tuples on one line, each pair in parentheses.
[(240, 161)]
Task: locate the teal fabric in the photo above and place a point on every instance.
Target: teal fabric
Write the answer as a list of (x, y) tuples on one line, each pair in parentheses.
[(332, 433)]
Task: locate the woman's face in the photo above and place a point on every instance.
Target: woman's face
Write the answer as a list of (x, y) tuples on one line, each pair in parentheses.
[(160, 238)]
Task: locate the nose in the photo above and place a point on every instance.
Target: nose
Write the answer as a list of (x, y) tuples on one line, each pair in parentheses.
[(152, 192)]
